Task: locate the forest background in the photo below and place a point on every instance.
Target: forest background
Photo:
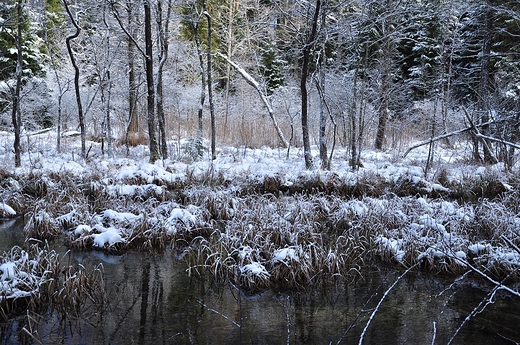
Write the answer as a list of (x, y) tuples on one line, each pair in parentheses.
[(257, 73)]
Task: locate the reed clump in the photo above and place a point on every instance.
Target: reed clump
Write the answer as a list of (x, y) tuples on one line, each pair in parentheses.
[(37, 279)]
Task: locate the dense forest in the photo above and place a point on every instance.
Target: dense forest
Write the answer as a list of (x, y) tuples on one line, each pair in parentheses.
[(254, 73)]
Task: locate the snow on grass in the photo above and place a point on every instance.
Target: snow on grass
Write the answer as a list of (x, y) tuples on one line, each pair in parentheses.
[(6, 211), (286, 255), (255, 269), (108, 237), (19, 275), (391, 209)]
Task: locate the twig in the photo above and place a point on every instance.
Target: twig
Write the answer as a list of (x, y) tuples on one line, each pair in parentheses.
[(219, 313), (381, 301), (434, 332), (511, 244), (475, 311), (355, 321)]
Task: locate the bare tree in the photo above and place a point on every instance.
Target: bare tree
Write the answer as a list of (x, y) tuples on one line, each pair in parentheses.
[(210, 82), (16, 112), (147, 54), (163, 28), (154, 150), (133, 118), (68, 41), (307, 48)]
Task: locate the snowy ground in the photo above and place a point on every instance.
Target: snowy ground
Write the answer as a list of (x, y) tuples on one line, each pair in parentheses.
[(270, 223)]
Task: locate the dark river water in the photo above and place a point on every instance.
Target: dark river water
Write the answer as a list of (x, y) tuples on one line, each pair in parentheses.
[(152, 300)]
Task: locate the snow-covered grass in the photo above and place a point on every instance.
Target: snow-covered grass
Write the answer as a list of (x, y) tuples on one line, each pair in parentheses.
[(259, 218), (30, 279)]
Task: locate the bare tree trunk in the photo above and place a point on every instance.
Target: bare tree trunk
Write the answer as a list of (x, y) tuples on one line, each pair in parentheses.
[(303, 86), (229, 53), (483, 96), (320, 82), (76, 77), (203, 79), (133, 119), (385, 57), (107, 116), (210, 88), (154, 150), (163, 56), (16, 113)]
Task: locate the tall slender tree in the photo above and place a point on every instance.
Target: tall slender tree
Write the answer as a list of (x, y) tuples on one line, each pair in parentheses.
[(16, 112), (150, 100), (69, 39), (308, 46)]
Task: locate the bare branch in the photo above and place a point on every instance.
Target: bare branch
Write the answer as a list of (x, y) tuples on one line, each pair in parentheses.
[(251, 81)]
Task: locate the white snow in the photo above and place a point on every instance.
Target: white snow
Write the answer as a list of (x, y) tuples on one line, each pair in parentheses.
[(479, 248), (255, 269), (109, 237), (6, 210), (82, 229), (286, 255)]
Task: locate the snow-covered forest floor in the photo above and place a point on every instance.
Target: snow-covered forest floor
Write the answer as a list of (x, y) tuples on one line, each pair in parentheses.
[(258, 218)]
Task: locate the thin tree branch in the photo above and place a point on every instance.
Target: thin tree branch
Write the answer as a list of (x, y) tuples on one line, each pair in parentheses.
[(381, 301)]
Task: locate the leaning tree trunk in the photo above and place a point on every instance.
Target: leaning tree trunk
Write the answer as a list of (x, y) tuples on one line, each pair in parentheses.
[(251, 81), (76, 77), (16, 113)]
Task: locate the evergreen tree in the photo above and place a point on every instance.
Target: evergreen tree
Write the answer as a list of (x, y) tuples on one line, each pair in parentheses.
[(33, 49)]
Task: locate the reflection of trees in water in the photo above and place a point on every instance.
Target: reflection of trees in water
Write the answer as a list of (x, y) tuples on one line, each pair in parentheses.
[(145, 280), (153, 300)]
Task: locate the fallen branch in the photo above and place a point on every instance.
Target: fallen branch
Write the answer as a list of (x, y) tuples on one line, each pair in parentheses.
[(251, 81), (460, 131), (478, 309), (511, 244), (219, 313), (382, 299)]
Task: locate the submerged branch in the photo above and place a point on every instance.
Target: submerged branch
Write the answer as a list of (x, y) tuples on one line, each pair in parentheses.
[(219, 313), (381, 301)]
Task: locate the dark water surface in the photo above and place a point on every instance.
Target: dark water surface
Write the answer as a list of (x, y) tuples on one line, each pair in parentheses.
[(152, 300)]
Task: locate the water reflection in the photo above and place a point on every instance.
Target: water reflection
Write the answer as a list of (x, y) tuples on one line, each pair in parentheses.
[(154, 301), (11, 233)]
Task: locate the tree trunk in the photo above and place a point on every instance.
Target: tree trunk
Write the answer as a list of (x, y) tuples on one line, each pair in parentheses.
[(154, 150), (483, 97), (303, 87), (251, 81), (163, 56), (133, 120), (76, 77), (210, 88), (385, 57), (320, 82), (203, 79), (108, 121), (16, 113)]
